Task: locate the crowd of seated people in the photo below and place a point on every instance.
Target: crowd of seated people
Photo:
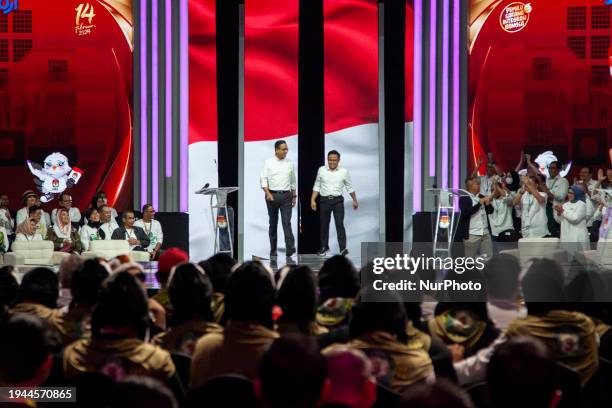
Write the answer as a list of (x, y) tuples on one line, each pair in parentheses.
[(534, 202), (222, 333), (72, 231)]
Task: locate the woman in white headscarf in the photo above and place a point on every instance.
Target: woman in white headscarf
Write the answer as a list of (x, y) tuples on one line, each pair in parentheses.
[(28, 230), (572, 215), (65, 238)]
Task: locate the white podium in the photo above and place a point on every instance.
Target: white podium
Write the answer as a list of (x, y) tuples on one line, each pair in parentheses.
[(218, 201)]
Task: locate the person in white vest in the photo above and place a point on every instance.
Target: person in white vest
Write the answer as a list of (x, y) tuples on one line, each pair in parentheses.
[(91, 231), (153, 229), (7, 219), (532, 204), (109, 225), (30, 198), (65, 201), (500, 220), (572, 216)]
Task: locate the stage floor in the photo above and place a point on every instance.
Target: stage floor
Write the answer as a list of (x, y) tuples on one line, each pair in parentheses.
[(314, 261)]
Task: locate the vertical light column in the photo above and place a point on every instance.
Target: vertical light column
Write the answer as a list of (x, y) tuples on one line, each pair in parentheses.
[(184, 105), (456, 82), (417, 193), (168, 90), (144, 103), (154, 104), (445, 90), (433, 50)]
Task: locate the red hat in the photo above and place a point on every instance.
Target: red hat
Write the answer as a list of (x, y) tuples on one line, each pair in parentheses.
[(170, 258)]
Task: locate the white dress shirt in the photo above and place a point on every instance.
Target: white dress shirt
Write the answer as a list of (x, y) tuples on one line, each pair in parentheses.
[(87, 235), (534, 223), (108, 228), (153, 229), (22, 215), (486, 183), (558, 186), (573, 224), (501, 218), (5, 222), (331, 182), (478, 221), (75, 214), (5, 241), (278, 175)]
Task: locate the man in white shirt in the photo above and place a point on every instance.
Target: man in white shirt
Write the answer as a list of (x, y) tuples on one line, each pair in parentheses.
[(556, 193), (532, 203), (30, 198), (473, 222), (588, 184), (152, 228), (330, 182), (135, 236), (493, 173), (65, 201), (279, 185), (109, 225)]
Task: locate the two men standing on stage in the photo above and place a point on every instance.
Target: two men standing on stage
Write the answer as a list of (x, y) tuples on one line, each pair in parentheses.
[(279, 184)]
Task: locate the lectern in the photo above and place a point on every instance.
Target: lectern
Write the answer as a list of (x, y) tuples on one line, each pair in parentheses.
[(218, 202), (445, 225)]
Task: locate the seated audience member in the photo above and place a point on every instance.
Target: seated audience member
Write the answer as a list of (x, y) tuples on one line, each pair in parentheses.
[(29, 198), (99, 200), (65, 201), (531, 202), (352, 383), (7, 218), (297, 297), (473, 227), (442, 394), (570, 336), (572, 215), (521, 374), (38, 295), (91, 231), (142, 392), (119, 325), (135, 236), (168, 260), (67, 267), (25, 353), (190, 294), (292, 373), (86, 284), (152, 229), (64, 236), (4, 241), (31, 229), (338, 286), (379, 330), (465, 327), (109, 225), (248, 333), (502, 277), (8, 287), (218, 268)]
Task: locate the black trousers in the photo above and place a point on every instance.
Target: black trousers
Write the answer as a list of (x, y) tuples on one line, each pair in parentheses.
[(327, 206), (282, 203)]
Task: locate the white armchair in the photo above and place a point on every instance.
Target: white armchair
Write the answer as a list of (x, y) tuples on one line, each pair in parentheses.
[(603, 254), (529, 248), (112, 248), (33, 253)]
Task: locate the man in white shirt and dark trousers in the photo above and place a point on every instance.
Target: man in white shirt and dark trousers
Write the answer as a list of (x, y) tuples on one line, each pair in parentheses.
[(329, 183), (556, 193), (279, 185), (473, 222)]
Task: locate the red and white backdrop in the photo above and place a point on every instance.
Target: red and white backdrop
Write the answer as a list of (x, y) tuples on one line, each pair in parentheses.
[(539, 79), (202, 124), (351, 109), (270, 107), (66, 86)]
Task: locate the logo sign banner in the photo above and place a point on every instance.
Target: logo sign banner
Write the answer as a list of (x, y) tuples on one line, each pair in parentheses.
[(515, 16)]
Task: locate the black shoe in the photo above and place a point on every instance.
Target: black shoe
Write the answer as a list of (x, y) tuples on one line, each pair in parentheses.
[(344, 252), (323, 252), (290, 253), (273, 255)]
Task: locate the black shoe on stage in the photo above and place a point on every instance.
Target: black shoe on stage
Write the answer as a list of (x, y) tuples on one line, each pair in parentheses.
[(290, 253), (344, 252), (323, 252)]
